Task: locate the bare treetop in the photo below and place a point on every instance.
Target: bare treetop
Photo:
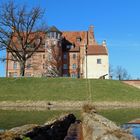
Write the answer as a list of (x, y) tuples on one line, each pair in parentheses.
[(18, 31)]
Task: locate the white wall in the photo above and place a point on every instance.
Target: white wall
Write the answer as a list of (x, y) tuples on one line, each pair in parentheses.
[(95, 70)]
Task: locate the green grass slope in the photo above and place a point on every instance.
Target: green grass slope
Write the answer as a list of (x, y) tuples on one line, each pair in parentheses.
[(58, 89)]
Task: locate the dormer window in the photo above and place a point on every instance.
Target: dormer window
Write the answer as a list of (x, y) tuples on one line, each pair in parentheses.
[(78, 39)]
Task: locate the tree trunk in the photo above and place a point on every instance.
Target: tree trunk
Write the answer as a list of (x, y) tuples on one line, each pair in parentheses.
[(22, 68)]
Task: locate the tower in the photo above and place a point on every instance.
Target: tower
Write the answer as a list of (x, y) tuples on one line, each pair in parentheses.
[(53, 52)]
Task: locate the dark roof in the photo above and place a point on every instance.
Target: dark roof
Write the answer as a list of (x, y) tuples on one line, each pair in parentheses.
[(53, 29)]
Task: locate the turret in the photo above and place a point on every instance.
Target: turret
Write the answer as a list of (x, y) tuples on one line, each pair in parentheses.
[(53, 52), (53, 33), (104, 43)]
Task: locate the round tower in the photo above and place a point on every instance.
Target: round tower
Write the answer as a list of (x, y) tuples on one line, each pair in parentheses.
[(53, 52)]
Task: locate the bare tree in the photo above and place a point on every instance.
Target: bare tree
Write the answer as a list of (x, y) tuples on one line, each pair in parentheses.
[(121, 73), (53, 61), (18, 32), (111, 71)]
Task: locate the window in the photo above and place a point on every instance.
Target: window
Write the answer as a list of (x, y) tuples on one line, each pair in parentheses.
[(74, 56), (78, 39), (65, 66), (54, 34), (15, 65), (74, 66), (51, 35), (58, 36), (99, 61), (65, 55), (43, 56), (69, 46), (43, 66)]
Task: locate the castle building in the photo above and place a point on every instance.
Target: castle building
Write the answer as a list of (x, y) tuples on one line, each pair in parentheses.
[(66, 54)]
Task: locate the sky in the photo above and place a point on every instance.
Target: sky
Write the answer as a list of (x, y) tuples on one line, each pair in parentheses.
[(116, 21)]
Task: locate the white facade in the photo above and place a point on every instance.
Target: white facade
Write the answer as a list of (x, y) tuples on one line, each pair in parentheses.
[(97, 66)]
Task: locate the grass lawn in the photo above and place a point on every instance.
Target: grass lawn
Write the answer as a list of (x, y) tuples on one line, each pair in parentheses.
[(121, 116), (58, 89), (12, 118)]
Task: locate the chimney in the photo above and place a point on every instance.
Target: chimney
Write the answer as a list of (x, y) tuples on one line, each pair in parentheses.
[(91, 39), (104, 43), (91, 28)]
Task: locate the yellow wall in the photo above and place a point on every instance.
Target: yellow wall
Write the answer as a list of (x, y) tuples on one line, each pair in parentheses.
[(95, 70)]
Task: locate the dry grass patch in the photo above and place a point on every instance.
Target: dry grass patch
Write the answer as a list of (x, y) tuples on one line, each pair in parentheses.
[(88, 107)]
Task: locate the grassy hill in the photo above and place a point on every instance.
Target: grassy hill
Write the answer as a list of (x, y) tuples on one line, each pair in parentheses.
[(57, 89)]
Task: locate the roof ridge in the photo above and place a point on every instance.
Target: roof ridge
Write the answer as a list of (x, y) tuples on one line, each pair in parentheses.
[(74, 31)]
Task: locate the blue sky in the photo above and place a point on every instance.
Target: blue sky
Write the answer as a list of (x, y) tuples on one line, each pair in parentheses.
[(116, 21)]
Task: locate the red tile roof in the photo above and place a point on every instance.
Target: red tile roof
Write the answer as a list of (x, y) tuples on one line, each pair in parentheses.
[(32, 35), (72, 36), (97, 50), (92, 49)]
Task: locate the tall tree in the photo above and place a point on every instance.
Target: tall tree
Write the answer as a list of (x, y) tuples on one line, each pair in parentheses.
[(19, 34)]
